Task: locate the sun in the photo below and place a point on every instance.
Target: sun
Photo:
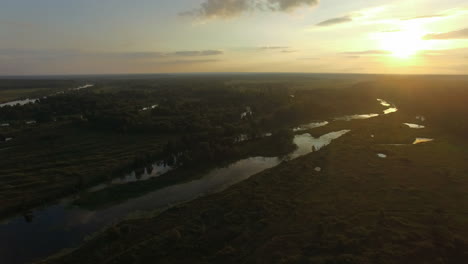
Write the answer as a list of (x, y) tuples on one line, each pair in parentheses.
[(403, 44)]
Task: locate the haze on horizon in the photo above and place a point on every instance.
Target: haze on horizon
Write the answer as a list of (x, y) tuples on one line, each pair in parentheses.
[(151, 36)]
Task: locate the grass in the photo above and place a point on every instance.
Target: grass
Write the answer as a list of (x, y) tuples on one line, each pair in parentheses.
[(408, 208), (55, 160)]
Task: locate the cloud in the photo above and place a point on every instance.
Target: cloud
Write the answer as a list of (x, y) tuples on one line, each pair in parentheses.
[(359, 15), (154, 55), (366, 52), (309, 58), (459, 34), (24, 61), (211, 9), (335, 21), (286, 5), (196, 53), (174, 62), (288, 51), (425, 17), (61, 55), (274, 47)]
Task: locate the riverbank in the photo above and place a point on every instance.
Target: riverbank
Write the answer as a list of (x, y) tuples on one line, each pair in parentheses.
[(294, 214), (377, 198)]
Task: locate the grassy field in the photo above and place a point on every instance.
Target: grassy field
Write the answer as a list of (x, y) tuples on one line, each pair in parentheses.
[(86, 137), (52, 162), (407, 208)]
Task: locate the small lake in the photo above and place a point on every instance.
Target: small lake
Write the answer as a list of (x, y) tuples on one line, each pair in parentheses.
[(62, 225)]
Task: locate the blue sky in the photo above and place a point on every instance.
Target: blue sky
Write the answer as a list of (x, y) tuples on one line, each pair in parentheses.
[(150, 36)]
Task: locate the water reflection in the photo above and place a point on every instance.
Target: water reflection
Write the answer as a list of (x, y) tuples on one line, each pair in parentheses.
[(35, 100), (20, 102), (416, 126), (152, 171), (390, 110), (62, 226), (422, 140), (381, 155), (353, 117), (310, 126), (306, 143), (384, 103)]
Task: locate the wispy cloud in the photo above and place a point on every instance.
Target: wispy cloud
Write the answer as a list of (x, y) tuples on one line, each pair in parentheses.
[(426, 17), (309, 58), (458, 34), (73, 55), (334, 21), (175, 62), (366, 52), (196, 53), (363, 14), (274, 48), (211, 9)]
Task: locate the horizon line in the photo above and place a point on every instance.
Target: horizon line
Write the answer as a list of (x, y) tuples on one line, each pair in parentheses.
[(214, 73)]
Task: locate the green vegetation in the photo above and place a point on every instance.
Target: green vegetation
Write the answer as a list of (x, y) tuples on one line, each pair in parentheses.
[(92, 135), (407, 208)]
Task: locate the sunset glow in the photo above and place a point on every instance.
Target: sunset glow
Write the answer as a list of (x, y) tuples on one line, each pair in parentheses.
[(232, 36), (405, 43)]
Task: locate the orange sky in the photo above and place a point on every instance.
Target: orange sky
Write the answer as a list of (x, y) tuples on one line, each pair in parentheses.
[(146, 36)]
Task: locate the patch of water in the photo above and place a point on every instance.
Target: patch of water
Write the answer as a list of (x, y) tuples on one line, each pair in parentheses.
[(356, 117), (241, 138), (390, 110), (35, 100), (150, 107), (422, 140), (83, 87), (248, 112), (310, 126), (416, 126), (7, 139), (384, 103), (306, 143), (156, 170), (19, 102)]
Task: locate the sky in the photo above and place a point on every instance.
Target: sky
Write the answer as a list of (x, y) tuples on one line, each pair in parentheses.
[(171, 36)]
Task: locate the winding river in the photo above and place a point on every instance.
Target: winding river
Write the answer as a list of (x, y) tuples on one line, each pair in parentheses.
[(62, 225)]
